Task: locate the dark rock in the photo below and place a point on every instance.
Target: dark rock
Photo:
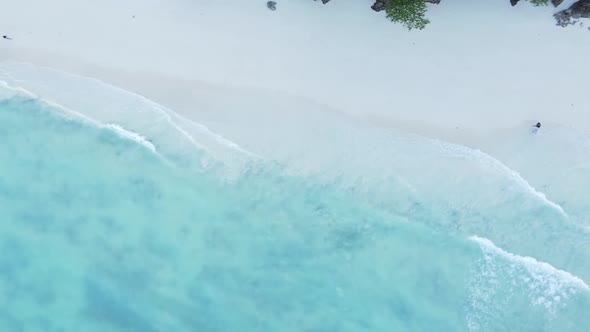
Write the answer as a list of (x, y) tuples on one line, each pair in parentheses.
[(514, 2), (580, 9), (563, 19), (556, 2), (325, 1), (271, 5), (379, 5), (433, 1)]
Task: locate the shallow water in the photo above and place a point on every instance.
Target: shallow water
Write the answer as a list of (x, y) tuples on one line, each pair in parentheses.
[(100, 232)]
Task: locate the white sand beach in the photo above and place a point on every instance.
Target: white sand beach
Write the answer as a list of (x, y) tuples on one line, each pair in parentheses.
[(213, 165), (479, 66), (481, 74)]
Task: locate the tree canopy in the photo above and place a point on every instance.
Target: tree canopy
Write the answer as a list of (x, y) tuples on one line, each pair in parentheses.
[(412, 13)]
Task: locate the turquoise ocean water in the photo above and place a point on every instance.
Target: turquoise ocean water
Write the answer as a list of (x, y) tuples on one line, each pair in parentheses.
[(102, 230)]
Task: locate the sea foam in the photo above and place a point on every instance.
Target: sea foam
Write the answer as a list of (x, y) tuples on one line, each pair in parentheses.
[(501, 279), (129, 114), (543, 274), (378, 245)]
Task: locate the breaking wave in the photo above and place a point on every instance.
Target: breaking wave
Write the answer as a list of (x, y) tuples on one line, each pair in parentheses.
[(358, 227)]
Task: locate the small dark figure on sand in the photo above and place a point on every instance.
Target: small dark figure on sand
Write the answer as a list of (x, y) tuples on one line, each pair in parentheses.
[(536, 128), (6, 37), (271, 5)]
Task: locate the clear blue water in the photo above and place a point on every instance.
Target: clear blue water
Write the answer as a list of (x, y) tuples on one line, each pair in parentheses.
[(99, 233)]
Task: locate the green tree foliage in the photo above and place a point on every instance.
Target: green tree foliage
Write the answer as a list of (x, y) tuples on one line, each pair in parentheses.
[(540, 2), (410, 13)]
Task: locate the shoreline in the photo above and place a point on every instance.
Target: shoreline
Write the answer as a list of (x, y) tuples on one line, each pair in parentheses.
[(186, 93), (462, 86), (310, 169)]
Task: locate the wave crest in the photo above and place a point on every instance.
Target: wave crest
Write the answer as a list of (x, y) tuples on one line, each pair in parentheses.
[(501, 280), (130, 115)]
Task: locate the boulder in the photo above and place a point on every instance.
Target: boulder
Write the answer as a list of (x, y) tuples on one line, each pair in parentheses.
[(580, 9), (379, 5), (271, 5)]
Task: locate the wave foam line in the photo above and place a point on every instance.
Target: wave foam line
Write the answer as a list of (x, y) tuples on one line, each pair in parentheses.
[(119, 130), (166, 112), (132, 136), (482, 157), (533, 266)]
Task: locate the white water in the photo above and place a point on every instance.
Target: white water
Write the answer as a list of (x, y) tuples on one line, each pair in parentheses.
[(422, 185)]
